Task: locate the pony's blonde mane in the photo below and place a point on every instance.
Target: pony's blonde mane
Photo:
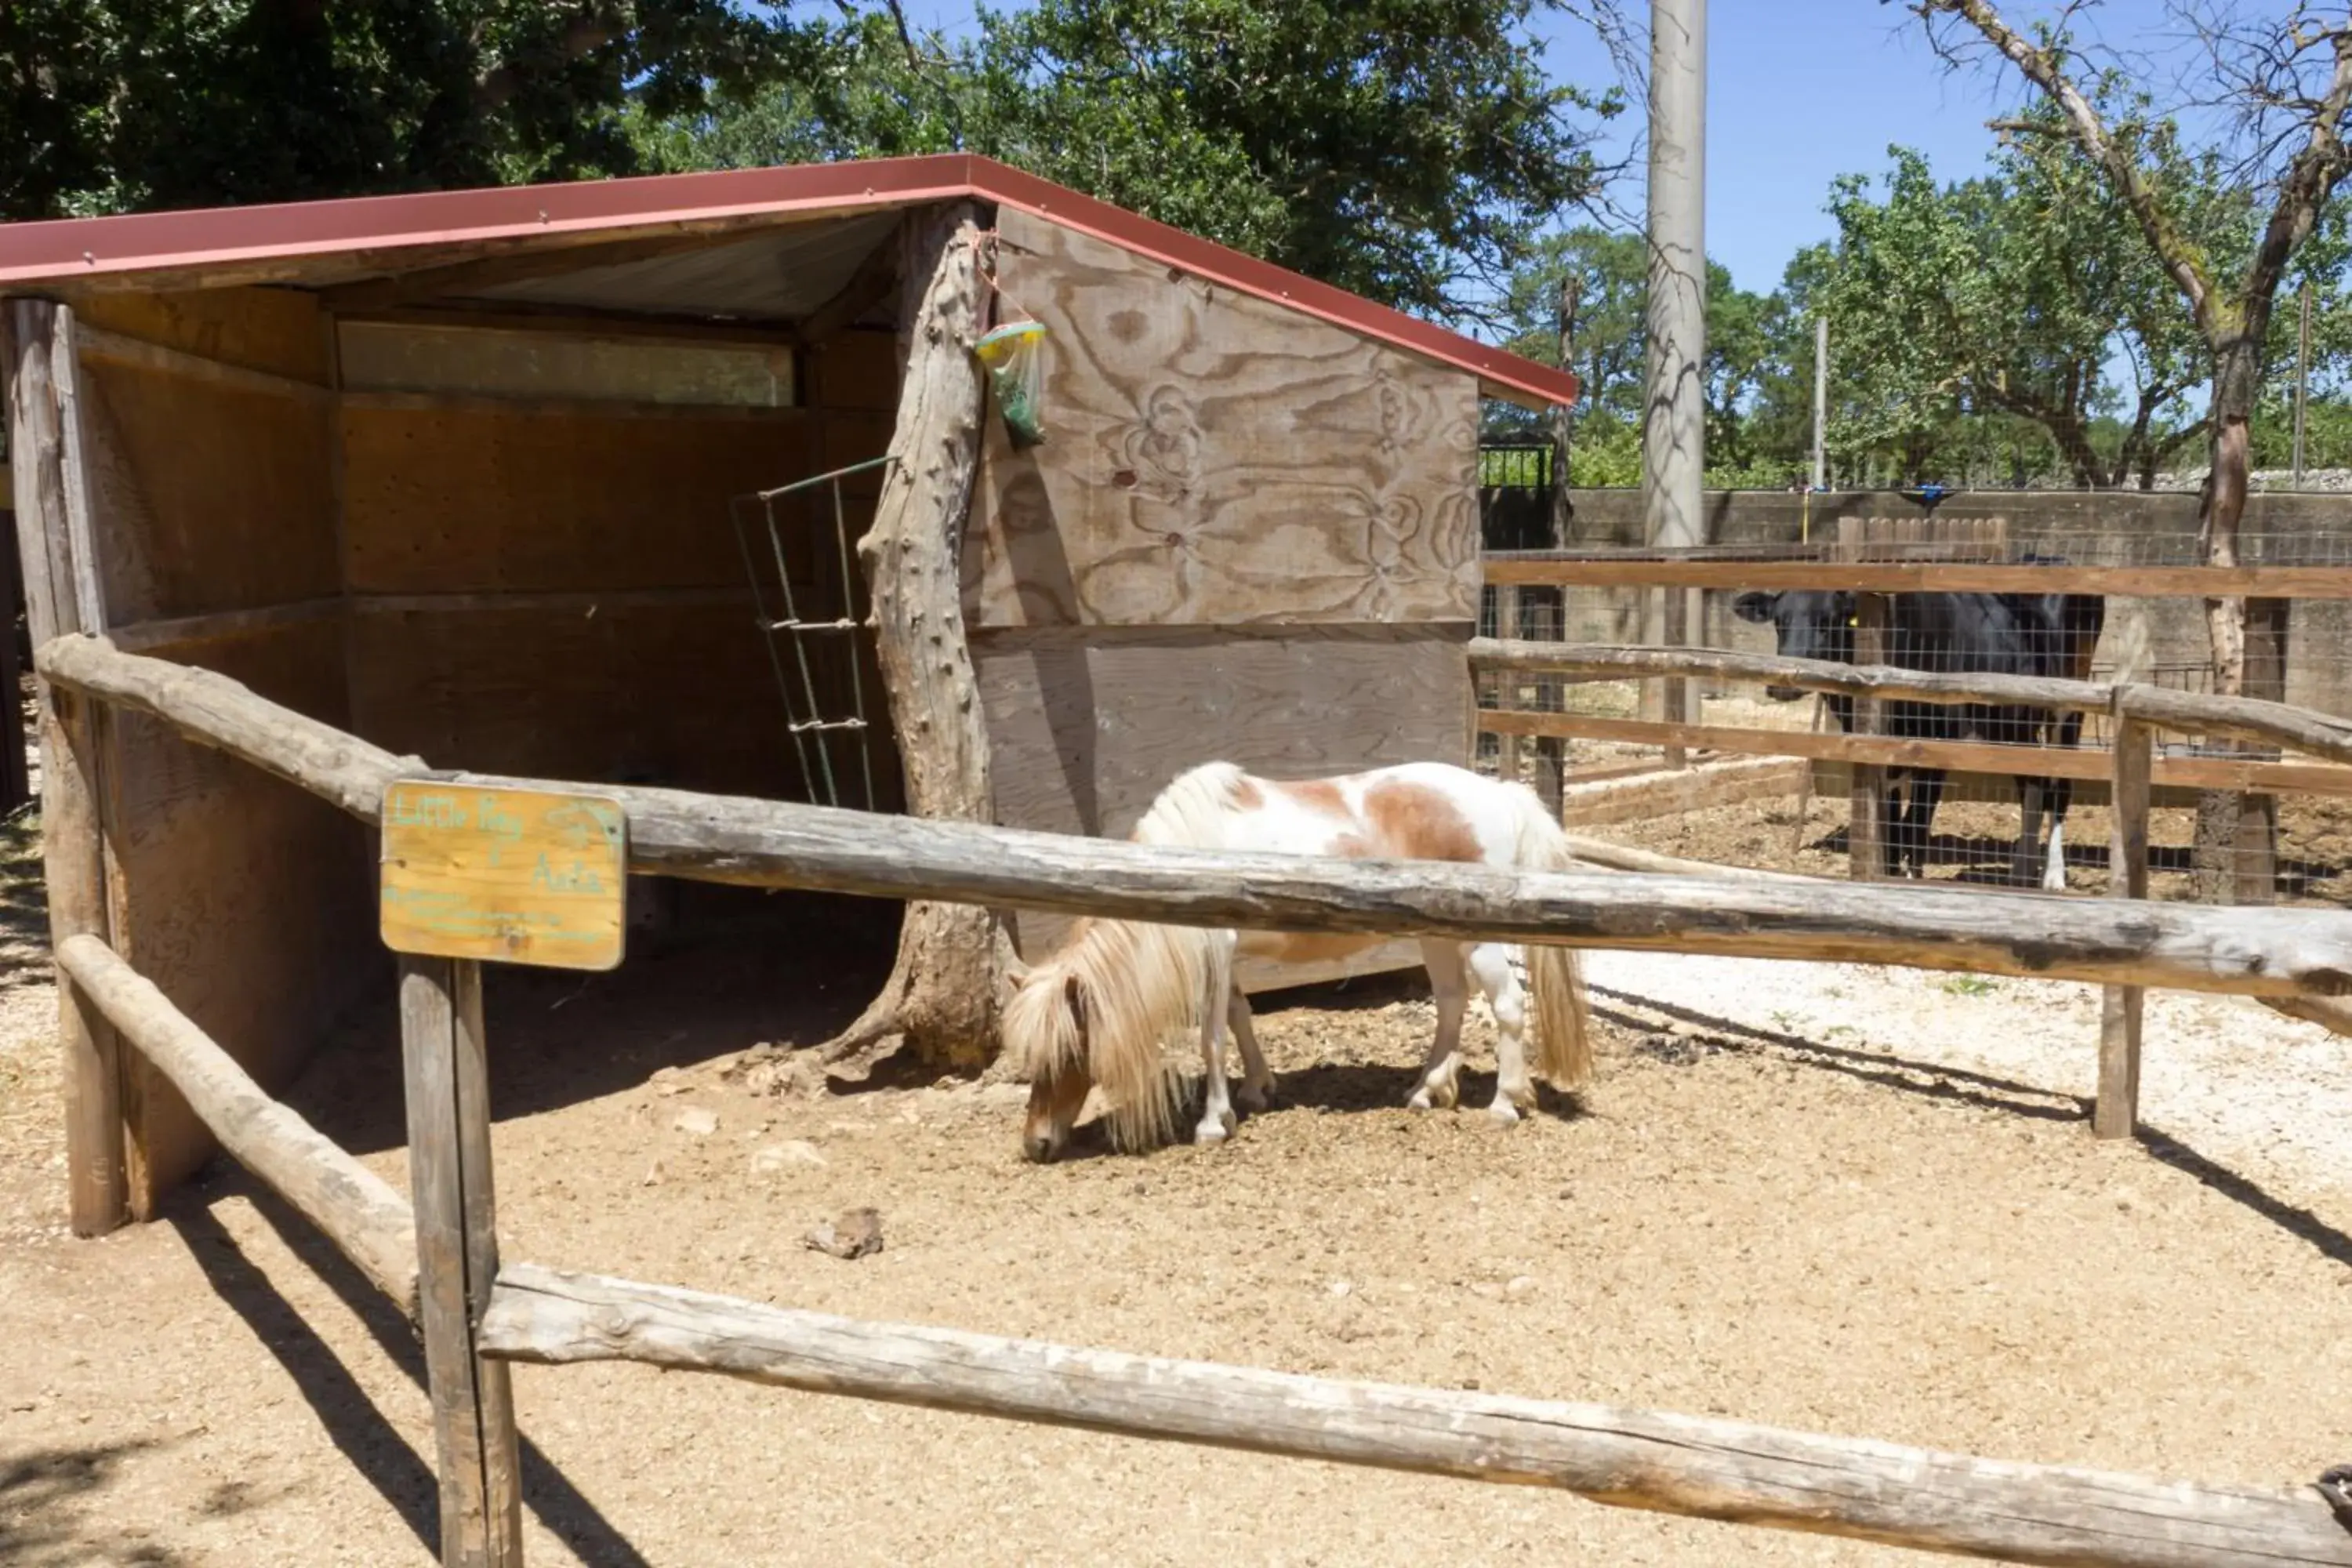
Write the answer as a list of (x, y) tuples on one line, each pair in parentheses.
[(1141, 986)]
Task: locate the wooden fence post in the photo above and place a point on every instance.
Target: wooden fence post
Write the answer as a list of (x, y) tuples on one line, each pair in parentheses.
[(1865, 843), (1506, 626), (447, 1084), (61, 599), (2116, 1114)]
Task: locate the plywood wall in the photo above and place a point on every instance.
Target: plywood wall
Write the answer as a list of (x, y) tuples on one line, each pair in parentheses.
[(246, 900), (1250, 536), (1215, 459)]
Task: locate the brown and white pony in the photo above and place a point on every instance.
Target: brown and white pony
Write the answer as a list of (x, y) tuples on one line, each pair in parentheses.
[(1103, 1009)]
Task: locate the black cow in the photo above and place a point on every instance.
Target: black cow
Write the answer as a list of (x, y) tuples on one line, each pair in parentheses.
[(2050, 634)]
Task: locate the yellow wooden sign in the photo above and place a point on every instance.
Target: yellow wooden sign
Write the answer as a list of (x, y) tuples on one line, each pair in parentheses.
[(513, 874)]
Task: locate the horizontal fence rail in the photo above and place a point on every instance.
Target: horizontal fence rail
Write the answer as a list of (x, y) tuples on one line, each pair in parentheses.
[(2278, 723), (1619, 569), (2218, 773), (352, 1206), (1692, 1465), (2268, 951), (1685, 1465)]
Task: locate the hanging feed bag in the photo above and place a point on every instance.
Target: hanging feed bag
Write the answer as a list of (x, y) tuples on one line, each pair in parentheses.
[(1016, 357)]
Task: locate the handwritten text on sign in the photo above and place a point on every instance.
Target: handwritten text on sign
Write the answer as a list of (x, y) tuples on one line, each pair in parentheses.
[(512, 875)]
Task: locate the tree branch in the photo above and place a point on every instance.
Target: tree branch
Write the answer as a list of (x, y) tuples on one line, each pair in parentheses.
[(2041, 67), (2309, 181)]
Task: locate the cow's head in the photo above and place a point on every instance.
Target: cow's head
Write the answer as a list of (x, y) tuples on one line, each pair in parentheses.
[(1810, 625)]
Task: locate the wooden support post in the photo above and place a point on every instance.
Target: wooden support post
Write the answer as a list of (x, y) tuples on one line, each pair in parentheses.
[(16, 781), (2254, 879), (1867, 837), (1673, 704), (1507, 626), (2116, 1114), (60, 600), (447, 1084)]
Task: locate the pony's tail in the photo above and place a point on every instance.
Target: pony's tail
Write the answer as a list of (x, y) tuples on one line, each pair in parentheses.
[(1558, 1022)]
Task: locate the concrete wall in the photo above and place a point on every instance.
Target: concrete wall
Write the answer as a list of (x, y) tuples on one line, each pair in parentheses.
[(2162, 640)]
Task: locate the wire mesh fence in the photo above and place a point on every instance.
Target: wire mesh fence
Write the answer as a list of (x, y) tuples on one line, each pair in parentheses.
[(2228, 823)]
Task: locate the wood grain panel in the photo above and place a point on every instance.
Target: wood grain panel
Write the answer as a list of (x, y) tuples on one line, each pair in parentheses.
[(204, 497), (479, 500), (1087, 726), (247, 901), (675, 695), (857, 369), (280, 331), (1216, 459)]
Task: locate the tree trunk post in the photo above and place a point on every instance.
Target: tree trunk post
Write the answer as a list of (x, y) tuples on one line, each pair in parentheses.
[(2236, 377), (946, 989)]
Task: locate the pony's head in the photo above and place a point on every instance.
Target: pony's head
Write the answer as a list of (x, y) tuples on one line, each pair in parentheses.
[(1094, 1016), (1045, 1035)]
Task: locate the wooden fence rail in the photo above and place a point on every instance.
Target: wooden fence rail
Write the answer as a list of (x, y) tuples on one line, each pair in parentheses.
[(354, 1208), (2172, 772), (2276, 723), (1628, 1458), (2266, 951), (478, 1315), (1623, 570)]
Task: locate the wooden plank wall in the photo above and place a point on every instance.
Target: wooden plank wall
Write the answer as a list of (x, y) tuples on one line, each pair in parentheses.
[(246, 901), (1249, 536), (462, 516)]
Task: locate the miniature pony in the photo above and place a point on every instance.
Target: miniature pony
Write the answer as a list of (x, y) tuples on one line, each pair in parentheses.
[(1101, 1010)]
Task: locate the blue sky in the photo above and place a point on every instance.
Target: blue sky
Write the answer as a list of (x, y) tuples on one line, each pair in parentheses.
[(1799, 92)]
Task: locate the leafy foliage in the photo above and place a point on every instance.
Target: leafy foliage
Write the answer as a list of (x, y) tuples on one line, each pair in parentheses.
[(114, 104), (1611, 276), (1406, 150)]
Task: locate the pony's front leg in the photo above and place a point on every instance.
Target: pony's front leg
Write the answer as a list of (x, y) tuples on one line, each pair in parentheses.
[(1451, 991), (1514, 1090), (1217, 1119), (1257, 1082)]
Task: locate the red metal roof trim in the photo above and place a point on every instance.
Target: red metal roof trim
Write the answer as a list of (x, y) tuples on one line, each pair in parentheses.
[(68, 249)]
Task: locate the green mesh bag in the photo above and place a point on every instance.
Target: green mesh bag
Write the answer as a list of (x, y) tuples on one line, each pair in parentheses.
[(1015, 356)]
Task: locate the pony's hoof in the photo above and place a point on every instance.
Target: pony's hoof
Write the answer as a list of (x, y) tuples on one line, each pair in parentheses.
[(1251, 1099), (1214, 1128), (1441, 1098), (1503, 1112), (2054, 879)]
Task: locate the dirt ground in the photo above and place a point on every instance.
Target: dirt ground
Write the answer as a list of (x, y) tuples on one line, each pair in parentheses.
[(1839, 1199)]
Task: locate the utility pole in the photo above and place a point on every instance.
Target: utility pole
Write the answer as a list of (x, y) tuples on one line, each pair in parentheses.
[(2301, 380), (1673, 423), (1820, 401), (1563, 414)]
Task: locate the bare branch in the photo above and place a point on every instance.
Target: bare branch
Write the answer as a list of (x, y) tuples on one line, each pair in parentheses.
[(2310, 180), (2045, 69)]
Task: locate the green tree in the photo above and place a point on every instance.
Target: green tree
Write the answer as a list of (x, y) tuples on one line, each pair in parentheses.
[(1611, 287), (109, 105), (2008, 295), (1407, 150), (2288, 81)]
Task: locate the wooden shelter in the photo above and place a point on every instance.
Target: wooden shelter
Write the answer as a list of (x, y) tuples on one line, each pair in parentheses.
[(461, 474)]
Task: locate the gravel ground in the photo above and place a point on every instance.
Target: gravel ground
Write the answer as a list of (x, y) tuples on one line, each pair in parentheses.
[(1830, 1198)]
